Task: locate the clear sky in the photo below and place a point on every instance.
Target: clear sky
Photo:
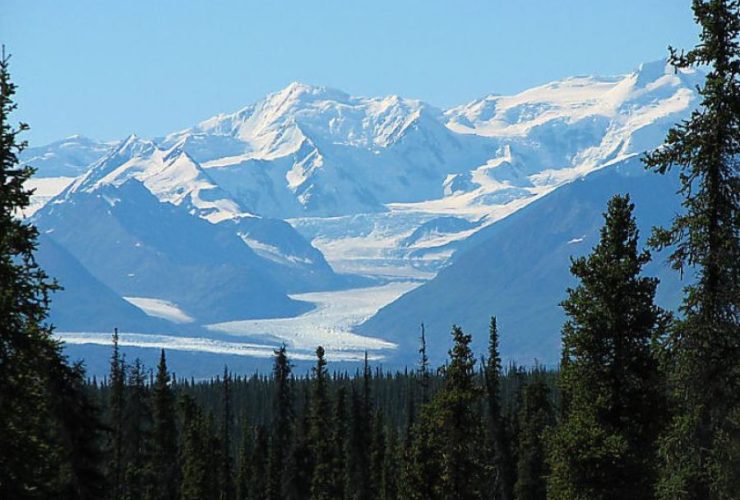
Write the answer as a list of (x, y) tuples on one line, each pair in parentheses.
[(109, 68)]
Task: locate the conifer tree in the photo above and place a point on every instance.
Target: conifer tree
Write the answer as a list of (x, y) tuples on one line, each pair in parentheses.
[(116, 402), (213, 458), (193, 456), (319, 436), (79, 433), (456, 424), (27, 348), (701, 448), (377, 456), (165, 469), (339, 444), (244, 467), (391, 466), (299, 470), (259, 463), (503, 474), (282, 424), (422, 462), (420, 465), (423, 367), (604, 445), (226, 466), (137, 421), (359, 486), (535, 417)]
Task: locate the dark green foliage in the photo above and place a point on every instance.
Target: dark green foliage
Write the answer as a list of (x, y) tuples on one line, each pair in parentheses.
[(258, 460), (244, 466), (79, 433), (136, 434), (193, 456), (359, 486), (339, 444), (535, 416), (164, 470), (390, 487), (49, 427), (701, 448), (324, 416), (116, 403), (502, 478), (299, 471), (226, 466), (319, 435), (603, 447), (456, 425), (423, 367), (27, 349), (421, 473), (282, 422), (377, 456)]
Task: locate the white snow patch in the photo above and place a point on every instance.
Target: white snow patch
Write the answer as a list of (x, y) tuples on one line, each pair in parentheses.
[(45, 188), (159, 308)]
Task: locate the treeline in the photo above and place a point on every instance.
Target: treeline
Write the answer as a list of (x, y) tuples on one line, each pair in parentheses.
[(465, 430)]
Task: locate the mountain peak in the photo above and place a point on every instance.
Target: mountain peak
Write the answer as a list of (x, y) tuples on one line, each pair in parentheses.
[(303, 92), (652, 70)]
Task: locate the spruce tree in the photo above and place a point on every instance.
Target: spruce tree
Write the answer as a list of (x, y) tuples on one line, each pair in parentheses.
[(701, 448), (27, 348), (137, 422), (213, 458), (319, 437), (164, 468), (244, 466), (423, 367), (116, 402), (282, 422), (259, 462), (360, 439), (422, 462), (377, 456), (391, 466), (226, 466), (535, 417), (604, 445), (503, 476), (79, 433), (339, 444), (193, 453), (457, 426), (420, 467)]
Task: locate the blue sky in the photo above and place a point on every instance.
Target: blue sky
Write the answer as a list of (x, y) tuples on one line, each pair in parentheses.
[(106, 69)]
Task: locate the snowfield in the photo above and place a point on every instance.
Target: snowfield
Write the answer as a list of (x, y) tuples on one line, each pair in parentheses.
[(45, 188), (159, 308)]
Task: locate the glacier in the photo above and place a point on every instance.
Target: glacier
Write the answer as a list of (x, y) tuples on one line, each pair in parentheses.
[(244, 217)]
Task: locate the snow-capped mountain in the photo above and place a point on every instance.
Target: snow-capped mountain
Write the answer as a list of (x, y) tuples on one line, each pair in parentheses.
[(223, 220), (68, 157), (170, 175), (316, 151), (518, 269), (150, 224)]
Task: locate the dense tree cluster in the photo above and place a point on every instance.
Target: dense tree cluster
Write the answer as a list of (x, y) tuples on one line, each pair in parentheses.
[(328, 435)]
